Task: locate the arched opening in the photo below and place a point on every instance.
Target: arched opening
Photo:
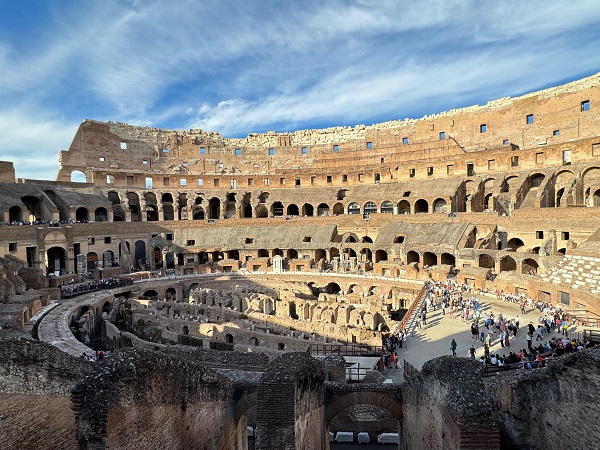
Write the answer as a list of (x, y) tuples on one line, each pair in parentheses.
[(381, 255), (291, 254), (333, 288), (353, 208), (81, 215), (387, 207), (366, 239), (508, 264), (486, 261), (514, 244), (307, 210), (185, 330), (263, 253), (421, 206), (439, 206), (198, 213), (203, 257), (370, 208), (101, 215), (158, 259), (320, 254), (351, 238), (229, 338), (429, 259), (338, 209), (15, 214), (140, 254), (292, 210), (134, 206), (448, 259), (562, 251), (171, 294), (323, 209), (150, 294), (262, 211), (214, 208), (487, 202), (217, 256), (529, 266), (230, 210), (277, 252), (246, 207), (536, 180), (253, 342), (334, 252), (151, 213), (77, 176), (596, 198), (559, 196), (170, 260), (404, 207), (55, 263), (280, 346), (412, 257), (277, 209)]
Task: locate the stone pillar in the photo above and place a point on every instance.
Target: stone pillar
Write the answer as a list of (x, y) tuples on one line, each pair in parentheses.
[(110, 216), (161, 212), (175, 210), (70, 261), (143, 214), (293, 382)]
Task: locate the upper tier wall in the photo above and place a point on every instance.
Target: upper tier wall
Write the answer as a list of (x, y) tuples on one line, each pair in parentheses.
[(557, 115)]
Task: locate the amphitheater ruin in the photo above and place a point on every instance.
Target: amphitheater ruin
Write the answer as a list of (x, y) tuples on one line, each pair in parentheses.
[(216, 273)]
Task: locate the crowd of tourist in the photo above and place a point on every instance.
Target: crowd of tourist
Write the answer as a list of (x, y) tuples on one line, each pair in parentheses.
[(549, 336), (50, 223), (74, 288)]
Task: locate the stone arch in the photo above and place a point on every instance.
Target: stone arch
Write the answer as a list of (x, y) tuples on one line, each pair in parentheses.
[(349, 238), (486, 261), (529, 266), (514, 244), (430, 259), (509, 184), (595, 200), (198, 213), (536, 179), (133, 200), (439, 205), (253, 341), (291, 253), (277, 209), (448, 259), (386, 400), (263, 253), (366, 239), (308, 210), (55, 260), (369, 208), (381, 255), (320, 254), (81, 214), (412, 257), (171, 294), (334, 252), (77, 176), (323, 209), (292, 210), (353, 208), (508, 264), (151, 293), (229, 338), (386, 207), (277, 252), (214, 208), (404, 207), (338, 209), (101, 215), (421, 206), (261, 211), (333, 288)]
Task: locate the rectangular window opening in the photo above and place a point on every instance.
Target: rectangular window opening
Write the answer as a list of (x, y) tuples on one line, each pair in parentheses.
[(565, 235), (404, 141), (344, 178), (412, 172), (304, 150), (271, 151), (442, 135), (430, 171), (238, 151), (483, 128), (529, 119), (329, 178), (585, 105), (369, 145), (336, 148), (123, 145), (203, 150), (200, 182), (539, 235), (556, 133)]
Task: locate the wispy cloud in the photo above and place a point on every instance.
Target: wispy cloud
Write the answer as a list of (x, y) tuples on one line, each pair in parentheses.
[(240, 67)]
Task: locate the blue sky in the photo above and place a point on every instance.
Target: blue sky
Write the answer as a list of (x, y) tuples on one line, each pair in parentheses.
[(239, 67)]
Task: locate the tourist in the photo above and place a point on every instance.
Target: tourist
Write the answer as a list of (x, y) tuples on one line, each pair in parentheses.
[(453, 347)]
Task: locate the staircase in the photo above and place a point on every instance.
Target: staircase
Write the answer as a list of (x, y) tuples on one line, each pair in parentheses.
[(529, 200)]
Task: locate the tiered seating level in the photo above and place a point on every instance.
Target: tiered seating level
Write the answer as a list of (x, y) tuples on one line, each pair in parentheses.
[(577, 272)]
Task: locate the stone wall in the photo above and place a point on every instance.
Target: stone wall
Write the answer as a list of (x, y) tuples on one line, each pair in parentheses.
[(551, 408), (35, 383)]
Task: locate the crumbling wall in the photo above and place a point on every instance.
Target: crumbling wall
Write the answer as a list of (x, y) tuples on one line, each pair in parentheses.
[(142, 399), (290, 404), (445, 406), (35, 383), (551, 408)]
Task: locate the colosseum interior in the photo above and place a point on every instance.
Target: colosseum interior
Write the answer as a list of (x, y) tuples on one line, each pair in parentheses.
[(211, 268)]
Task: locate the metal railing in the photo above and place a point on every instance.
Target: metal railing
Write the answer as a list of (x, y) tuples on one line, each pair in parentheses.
[(344, 350)]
